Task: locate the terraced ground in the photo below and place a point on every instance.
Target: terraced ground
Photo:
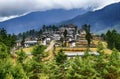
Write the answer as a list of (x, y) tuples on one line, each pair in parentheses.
[(77, 49)]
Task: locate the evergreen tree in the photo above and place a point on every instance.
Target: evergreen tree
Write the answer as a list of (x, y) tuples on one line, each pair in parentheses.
[(38, 52), (7, 39), (113, 67), (18, 72), (40, 33), (44, 28), (37, 66), (103, 36), (21, 56), (62, 40), (3, 51), (61, 57), (61, 62), (65, 35), (88, 34), (112, 39), (23, 40)]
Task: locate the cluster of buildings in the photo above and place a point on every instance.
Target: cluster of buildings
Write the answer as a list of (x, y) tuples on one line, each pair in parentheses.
[(75, 37), (73, 44)]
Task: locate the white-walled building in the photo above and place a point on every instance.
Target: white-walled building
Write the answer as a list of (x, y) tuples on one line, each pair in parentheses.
[(29, 43)]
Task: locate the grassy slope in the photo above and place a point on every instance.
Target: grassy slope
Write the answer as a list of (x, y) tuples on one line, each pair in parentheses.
[(106, 50), (26, 50)]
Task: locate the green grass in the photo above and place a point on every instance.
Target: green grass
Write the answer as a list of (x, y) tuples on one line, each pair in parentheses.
[(26, 50)]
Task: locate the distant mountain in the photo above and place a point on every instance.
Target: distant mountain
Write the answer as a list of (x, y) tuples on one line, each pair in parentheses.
[(100, 20), (35, 20)]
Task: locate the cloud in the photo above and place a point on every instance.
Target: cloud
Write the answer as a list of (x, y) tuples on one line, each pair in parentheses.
[(15, 8)]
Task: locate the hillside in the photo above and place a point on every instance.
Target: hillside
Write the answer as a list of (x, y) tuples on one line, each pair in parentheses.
[(100, 20), (35, 20)]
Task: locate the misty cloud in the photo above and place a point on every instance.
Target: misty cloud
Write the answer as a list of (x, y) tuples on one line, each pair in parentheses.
[(15, 8)]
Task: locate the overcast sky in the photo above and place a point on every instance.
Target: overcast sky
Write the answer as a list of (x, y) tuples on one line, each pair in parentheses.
[(14, 8)]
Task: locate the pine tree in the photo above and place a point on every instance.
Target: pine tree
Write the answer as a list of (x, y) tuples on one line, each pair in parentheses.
[(22, 56), (38, 52), (65, 35), (88, 34), (61, 57)]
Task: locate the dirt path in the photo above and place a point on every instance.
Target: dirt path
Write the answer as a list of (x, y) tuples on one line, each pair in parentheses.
[(49, 50), (51, 46)]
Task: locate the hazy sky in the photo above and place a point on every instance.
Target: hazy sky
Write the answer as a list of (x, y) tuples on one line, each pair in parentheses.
[(15, 8)]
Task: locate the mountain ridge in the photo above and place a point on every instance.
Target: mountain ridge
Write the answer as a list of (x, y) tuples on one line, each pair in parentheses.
[(99, 20), (107, 17), (35, 20)]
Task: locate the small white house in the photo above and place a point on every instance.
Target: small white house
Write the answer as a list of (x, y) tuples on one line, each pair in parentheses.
[(73, 54), (70, 39), (29, 43), (18, 43), (56, 37), (46, 40), (72, 43)]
